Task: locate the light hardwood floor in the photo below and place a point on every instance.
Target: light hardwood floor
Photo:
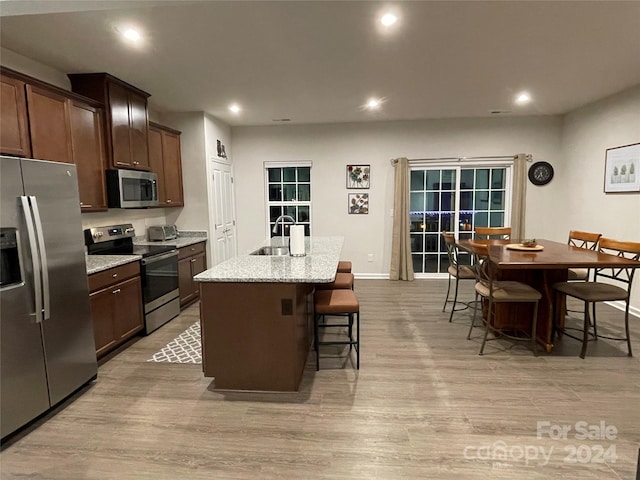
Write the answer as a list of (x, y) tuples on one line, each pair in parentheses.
[(423, 405)]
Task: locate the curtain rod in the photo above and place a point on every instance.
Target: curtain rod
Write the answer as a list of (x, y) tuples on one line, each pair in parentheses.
[(529, 158)]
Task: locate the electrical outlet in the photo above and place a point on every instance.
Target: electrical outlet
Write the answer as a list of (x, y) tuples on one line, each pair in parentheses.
[(370, 257)]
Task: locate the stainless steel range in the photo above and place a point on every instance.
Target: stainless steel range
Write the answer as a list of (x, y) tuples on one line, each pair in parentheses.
[(159, 269)]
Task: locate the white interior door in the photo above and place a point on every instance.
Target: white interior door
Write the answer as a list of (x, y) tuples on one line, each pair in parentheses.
[(222, 210)]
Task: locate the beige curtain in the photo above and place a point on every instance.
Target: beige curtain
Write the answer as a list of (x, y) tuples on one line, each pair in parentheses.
[(518, 205), (401, 264)]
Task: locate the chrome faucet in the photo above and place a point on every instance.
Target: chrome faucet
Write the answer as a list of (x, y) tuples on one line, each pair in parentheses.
[(283, 218)]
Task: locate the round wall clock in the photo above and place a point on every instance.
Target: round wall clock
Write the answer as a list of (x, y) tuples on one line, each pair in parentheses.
[(541, 173)]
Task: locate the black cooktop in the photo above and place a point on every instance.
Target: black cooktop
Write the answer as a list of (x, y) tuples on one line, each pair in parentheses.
[(150, 250)]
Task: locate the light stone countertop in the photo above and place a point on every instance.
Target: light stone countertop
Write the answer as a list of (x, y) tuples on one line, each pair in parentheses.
[(98, 263), (317, 266), (184, 239)]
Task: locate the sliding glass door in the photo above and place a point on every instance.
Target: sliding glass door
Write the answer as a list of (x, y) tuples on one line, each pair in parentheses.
[(456, 199)]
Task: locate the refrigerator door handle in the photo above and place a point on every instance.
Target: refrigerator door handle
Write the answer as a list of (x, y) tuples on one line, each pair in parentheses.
[(35, 257), (43, 258)]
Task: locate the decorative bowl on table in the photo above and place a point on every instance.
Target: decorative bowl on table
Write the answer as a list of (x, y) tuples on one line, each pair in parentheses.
[(529, 242)]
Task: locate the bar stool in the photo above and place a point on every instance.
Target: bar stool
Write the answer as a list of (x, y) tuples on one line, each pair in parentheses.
[(344, 266), (342, 302), (342, 281)]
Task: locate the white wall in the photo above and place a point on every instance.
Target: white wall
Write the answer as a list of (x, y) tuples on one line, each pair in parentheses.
[(332, 147), (587, 133), (34, 69)]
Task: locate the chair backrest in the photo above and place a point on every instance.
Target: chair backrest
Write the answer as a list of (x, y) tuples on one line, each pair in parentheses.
[(452, 251), (482, 265), (584, 239), (629, 250), (487, 233)]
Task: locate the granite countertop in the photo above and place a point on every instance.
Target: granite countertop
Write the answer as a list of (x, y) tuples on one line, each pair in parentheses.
[(184, 239), (98, 263), (317, 266)]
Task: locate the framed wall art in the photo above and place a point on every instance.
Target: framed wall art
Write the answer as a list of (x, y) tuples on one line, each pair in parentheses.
[(358, 203), (358, 176), (622, 169)]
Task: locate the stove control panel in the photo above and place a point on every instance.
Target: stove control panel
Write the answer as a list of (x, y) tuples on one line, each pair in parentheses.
[(111, 232)]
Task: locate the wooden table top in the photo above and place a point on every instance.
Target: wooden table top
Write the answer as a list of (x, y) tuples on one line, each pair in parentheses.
[(555, 255)]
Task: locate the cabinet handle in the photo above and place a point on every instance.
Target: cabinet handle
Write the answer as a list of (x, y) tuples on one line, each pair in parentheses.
[(114, 275), (193, 260), (117, 290), (85, 205), (169, 200)]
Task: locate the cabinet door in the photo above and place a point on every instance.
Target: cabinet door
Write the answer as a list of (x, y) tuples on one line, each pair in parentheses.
[(198, 265), (88, 155), (185, 281), (119, 113), (49, 124), (172, 169), (102, 314), (156, 161), (128, 317), (139, 131), (14, 135)]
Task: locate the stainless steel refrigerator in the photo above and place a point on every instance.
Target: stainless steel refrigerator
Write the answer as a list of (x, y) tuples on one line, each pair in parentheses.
[(47, 349)]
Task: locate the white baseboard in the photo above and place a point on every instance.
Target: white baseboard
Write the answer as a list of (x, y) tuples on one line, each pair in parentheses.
[(621, 306), (371, 276)]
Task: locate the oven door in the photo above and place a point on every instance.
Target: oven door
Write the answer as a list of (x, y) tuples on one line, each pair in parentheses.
[(159, 280)]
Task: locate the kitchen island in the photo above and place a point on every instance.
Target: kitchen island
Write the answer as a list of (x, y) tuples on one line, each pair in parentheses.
[(256, 315)]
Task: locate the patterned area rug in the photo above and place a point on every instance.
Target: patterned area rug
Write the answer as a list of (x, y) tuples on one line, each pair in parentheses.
[(185, 348)]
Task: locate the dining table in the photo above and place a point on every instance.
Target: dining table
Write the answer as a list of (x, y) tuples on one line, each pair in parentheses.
[(540, 267)]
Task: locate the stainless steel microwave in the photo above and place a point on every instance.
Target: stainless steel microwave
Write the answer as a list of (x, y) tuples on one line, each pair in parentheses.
[(131, 189)]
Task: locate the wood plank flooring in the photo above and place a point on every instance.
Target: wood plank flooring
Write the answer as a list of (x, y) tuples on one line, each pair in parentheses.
[(423, 405)]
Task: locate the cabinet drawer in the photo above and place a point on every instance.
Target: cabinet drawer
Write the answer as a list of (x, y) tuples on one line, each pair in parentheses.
[(191, 250), (105, 278)]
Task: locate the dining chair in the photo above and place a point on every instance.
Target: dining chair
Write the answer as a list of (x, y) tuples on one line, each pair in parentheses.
[(488, 233), (455, 270), (495, 291), (617, 288), (585, 240)]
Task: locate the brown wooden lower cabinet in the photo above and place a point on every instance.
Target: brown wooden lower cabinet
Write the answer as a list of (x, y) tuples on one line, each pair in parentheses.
[(116, 306), (191, 261)]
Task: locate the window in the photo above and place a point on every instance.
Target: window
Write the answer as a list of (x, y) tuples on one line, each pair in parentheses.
[(456, 199), (288, 193)]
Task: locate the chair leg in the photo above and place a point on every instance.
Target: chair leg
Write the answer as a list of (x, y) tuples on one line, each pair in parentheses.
[(486, 330), (446, 300), (626, 327), (534, 323), (473, 320), (585, 335), (358, 340), (593, 321), (455, 300), (350, 330)]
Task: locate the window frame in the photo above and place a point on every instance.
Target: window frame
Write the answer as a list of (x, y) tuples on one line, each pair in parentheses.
[(458, 165), (292, 203)]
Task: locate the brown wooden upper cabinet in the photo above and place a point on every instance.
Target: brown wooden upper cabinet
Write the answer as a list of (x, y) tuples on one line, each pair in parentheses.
[(49, 124), (166, 162), (127, 117), (42, 121), (14, 131), (89, 155)]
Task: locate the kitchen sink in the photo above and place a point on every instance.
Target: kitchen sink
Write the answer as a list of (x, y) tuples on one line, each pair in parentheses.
[(278, 251)]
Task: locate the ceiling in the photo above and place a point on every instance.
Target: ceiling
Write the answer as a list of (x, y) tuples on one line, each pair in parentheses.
[(319, 61)]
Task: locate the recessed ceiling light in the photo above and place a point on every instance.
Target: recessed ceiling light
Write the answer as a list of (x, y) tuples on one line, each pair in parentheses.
[(523, 98), (388, 19), (373, 103), (132, 34), (235, 108)]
